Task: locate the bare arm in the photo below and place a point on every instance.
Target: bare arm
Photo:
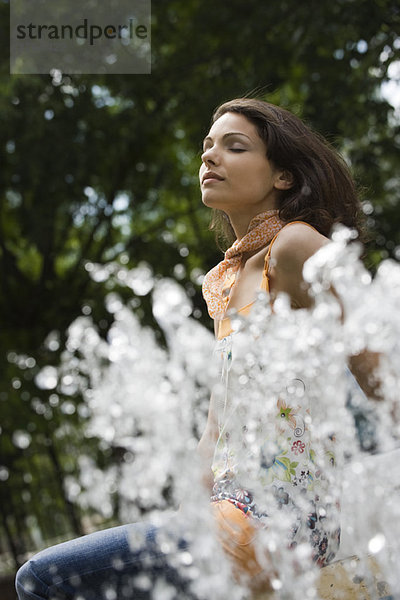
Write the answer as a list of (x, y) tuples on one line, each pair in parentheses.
[(364, 367), (292, 248)]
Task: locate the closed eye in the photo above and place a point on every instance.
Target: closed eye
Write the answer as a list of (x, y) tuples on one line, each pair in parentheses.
[(237, 150)]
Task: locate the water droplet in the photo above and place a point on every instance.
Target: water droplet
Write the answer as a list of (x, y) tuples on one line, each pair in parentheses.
[(110, 594), (4, 473), (47, 378), (68, 408), (376, 543), (16, 383), (21, 439), (276, 584)]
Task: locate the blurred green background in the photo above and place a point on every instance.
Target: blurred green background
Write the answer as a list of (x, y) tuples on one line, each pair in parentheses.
[(100, 168)]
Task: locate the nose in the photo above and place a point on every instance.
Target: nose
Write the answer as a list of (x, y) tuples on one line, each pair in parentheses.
[(210, 156)]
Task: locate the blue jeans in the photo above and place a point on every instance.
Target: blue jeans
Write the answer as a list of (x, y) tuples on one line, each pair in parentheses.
[(120, 563)]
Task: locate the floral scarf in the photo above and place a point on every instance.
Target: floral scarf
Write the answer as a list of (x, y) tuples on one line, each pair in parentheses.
[(219, 281)]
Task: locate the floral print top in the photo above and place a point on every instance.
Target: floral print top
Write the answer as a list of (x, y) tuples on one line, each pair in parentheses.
[(267, 465)]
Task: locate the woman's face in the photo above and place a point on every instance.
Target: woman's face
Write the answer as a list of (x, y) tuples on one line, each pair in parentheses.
[(235, 174)]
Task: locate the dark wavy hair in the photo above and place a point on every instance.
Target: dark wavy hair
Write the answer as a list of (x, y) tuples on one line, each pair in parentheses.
[(323, 191)]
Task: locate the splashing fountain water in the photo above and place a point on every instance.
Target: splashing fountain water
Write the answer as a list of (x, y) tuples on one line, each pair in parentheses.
[(151, 403)]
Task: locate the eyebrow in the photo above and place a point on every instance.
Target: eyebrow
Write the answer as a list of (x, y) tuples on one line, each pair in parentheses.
[(227, 135)]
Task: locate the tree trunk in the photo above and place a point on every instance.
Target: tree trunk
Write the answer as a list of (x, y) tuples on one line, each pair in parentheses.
[(13, 545), (70, 508)]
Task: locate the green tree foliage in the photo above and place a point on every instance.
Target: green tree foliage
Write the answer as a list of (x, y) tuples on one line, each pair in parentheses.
[(99, 168)]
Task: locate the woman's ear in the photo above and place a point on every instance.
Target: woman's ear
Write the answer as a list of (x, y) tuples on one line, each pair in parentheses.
[(284, 180)]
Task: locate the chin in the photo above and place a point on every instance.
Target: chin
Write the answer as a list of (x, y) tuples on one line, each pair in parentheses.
[(213, 202)]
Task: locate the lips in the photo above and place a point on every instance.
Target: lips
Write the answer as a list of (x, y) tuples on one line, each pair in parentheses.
[(211, 175)]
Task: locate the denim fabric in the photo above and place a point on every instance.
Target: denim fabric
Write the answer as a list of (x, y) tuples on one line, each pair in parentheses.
[(126, 562)]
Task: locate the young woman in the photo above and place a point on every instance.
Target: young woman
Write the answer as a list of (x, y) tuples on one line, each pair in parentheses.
[(276, 188)]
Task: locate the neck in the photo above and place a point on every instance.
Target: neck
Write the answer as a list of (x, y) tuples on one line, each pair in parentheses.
[(240, 221)]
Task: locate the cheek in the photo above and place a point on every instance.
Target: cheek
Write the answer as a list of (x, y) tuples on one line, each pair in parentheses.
[(254, 167), (263, 175), (252, 174)]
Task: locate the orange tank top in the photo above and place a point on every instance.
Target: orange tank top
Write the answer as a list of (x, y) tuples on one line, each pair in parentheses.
[(224, 326)]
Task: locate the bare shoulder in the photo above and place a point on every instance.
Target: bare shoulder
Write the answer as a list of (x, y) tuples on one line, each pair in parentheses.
[(295, 244)]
